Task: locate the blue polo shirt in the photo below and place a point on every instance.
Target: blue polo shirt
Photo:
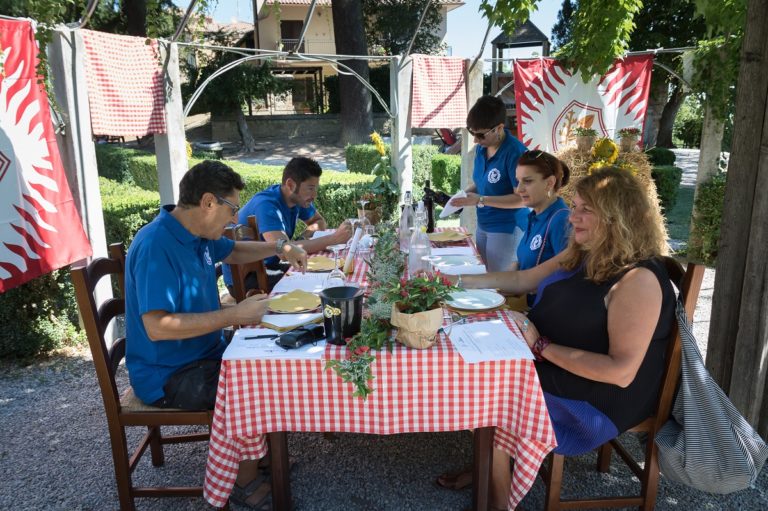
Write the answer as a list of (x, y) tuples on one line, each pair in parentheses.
[(170, 269), (555, 217), (272, 214), (496, 176)]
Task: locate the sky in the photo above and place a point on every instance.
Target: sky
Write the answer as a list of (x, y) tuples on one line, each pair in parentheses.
[(466, 26)]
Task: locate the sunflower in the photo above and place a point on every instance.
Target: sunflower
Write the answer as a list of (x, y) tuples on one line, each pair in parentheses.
[(605, 149)]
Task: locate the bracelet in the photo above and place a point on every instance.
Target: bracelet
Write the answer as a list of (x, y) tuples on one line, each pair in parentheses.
[(539, 346), (280, 245)]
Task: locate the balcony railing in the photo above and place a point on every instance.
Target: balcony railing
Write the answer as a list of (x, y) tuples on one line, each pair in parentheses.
[(308, 46)]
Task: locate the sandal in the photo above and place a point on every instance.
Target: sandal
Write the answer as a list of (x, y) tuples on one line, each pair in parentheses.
[(255, 495), (455, 480)]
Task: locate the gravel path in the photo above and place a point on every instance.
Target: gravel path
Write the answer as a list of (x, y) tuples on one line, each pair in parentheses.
[(55, 454)]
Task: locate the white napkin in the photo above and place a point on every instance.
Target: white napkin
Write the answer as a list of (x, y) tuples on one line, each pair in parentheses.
[(448, 210), (320, 234)]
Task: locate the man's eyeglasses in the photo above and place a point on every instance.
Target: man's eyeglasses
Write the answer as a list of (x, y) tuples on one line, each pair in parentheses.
[(478, 135), (235, 207)]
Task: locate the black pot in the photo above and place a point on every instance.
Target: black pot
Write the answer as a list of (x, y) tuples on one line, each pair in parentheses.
[(342, 312)]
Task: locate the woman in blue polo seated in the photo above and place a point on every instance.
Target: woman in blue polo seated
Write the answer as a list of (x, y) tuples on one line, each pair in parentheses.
[(540, 176)]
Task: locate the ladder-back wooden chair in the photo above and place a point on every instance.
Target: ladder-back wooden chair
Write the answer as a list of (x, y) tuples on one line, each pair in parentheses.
[(125, 409), (688, 283), (240, 271)]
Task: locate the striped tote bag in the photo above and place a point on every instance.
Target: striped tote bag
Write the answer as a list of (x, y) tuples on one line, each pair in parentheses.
[(706, 443)]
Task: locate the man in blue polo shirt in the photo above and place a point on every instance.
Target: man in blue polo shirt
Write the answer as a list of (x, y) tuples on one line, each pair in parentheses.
[(278, 209), (173, 318), (494, 182)]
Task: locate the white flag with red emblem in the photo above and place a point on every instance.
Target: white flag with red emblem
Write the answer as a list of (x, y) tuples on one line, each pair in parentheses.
[(40, 228), (551, 101)]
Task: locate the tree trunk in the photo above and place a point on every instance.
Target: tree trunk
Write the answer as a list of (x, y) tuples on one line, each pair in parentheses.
[(249, 143), (736, 354), (667, 121), (349, 35), (656, 101), (135, 12)]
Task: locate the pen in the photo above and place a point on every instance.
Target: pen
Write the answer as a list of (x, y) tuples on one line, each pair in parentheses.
[(268, 336)]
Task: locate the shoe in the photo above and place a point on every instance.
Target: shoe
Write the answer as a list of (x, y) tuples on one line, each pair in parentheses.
[(455, 480), (255, 495)]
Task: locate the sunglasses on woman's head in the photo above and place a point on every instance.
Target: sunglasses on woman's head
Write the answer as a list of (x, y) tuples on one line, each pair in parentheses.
[(482, 135)]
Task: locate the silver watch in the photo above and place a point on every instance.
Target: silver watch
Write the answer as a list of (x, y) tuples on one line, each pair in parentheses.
[(280, 245)]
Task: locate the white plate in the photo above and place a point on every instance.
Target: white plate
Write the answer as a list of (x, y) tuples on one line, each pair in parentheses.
[(448, 260), (475, 300)]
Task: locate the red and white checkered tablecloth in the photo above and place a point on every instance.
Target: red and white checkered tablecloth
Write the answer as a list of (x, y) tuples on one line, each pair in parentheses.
[(415, 391), (439, 97)]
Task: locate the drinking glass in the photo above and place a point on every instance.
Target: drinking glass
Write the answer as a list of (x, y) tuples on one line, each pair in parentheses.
[(364, 222), (336, 277)]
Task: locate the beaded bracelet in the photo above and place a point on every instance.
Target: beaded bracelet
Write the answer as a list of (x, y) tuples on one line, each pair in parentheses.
[(539, 346)]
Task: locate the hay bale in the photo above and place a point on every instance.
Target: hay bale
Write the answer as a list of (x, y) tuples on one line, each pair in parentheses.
[(579, 162)]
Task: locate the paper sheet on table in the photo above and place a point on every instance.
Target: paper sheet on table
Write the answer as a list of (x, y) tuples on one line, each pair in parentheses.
[(320, 234), (283, 322), (323, 263), (312, 282), (448, 210), (441, 251), (485, 341), (447, 236), (294, 302), (470, 269), (251, 349)]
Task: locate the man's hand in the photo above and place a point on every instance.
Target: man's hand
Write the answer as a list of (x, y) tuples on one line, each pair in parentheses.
[(295, 255), (462, 202), (343, 233), (251, 310)]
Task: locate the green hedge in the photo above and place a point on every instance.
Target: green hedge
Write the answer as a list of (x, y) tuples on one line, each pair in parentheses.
[(667, 179), (446, 173), (660, 156), (708, 214), (362, 158)]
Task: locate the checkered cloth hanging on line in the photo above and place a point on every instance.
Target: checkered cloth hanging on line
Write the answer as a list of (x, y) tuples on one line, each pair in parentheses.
[(439, 97), (125, 84)]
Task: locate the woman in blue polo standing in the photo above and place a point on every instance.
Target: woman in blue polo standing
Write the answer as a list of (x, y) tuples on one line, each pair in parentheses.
[(493, 189), (540, 176)]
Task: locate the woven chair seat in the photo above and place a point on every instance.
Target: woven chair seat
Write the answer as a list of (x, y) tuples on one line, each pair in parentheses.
[(129, 402)]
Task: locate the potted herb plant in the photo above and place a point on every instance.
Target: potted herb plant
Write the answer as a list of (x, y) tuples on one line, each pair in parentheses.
[(629, 138), (416, 308), (585, 137)]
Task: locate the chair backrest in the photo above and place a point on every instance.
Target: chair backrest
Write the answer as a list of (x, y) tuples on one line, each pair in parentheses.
[(446, 136), (96, 319), (688, 283), (240, 271)]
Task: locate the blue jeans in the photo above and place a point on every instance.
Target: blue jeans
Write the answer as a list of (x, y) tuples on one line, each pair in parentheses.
[(498, 249)]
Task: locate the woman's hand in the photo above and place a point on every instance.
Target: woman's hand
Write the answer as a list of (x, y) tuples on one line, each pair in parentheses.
[(470, 200), (528, 329)]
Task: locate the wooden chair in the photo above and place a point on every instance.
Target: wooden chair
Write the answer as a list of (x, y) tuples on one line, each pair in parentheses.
[(241, 271), (689, 285), (124, 410)]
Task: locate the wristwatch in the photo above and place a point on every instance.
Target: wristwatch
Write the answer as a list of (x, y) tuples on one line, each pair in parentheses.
[(481, 202), (279, 245)]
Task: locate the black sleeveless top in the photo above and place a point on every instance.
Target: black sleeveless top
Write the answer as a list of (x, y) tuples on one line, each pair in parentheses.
[(572, 312)]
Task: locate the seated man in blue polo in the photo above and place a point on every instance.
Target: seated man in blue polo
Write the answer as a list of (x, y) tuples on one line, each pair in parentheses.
[(174, 322), (278, 209)]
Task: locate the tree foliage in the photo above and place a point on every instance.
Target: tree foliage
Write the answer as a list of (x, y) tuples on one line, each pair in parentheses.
[(390, 24), (561, 31)]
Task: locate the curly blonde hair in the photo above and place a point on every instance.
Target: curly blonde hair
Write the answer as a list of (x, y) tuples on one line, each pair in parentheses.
[(630, 227)]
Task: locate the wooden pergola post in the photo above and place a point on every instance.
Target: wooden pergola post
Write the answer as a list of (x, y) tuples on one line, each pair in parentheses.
[(400, 76), (474, 91)]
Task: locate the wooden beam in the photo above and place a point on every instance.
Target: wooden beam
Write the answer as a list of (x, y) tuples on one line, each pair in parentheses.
[(400, 76)]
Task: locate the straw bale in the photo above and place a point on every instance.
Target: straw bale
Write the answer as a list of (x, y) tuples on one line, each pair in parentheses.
[(579, 162)]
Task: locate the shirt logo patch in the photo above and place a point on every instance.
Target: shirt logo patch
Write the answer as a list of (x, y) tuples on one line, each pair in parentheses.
[(494, 175), (207, 256), (536, 242)]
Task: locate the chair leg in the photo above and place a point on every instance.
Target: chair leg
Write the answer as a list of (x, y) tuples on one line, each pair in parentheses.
[(554, 482), (155, 446), (649, 486), (122, 470), (604, 457)]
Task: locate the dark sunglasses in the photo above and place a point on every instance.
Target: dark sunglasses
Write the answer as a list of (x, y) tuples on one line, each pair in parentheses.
[(481, 136), (535, 154), (235, 208)]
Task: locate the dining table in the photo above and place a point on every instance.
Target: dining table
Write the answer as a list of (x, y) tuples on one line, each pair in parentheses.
[(259, 401)]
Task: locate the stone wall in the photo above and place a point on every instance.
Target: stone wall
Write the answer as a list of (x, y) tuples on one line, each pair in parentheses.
[(224, 128)]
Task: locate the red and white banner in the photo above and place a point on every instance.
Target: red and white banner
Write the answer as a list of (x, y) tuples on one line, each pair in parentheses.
[(40, 228), (551, 102)]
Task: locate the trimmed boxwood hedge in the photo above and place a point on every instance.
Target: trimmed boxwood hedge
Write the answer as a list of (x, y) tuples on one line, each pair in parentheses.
[(446, 173), (705, 224), (660, 156), (667, 178), (362, 158)]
